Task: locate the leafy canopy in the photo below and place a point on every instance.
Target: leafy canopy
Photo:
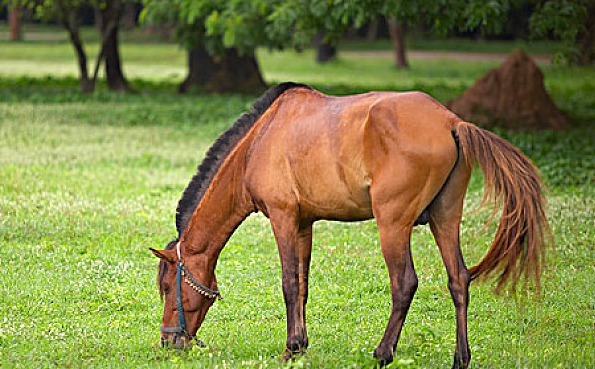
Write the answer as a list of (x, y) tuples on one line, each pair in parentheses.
[(279, 24)]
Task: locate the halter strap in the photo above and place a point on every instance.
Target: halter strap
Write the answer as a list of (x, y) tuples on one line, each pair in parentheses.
[(179, 297), (183, 273), (199, 287)]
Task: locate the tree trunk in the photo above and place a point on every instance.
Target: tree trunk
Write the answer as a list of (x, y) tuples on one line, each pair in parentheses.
[(14, 20), (230, 72), (69, 21), (86, 84), (201, 67), (241, 73), (109, 26), (113, 65), (324, 51), (130, 15), (372, 33), (586, 39), (397, 36)]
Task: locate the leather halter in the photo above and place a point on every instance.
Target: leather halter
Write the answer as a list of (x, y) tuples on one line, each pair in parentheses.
[(183, 274)]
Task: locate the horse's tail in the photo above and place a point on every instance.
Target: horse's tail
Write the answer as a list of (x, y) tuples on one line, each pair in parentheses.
[(510, 177)]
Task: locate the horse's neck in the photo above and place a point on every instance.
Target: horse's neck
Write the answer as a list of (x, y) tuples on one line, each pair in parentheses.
[(222, 209)]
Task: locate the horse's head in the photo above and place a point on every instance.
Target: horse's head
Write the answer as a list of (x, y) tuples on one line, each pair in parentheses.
[(188, 287)]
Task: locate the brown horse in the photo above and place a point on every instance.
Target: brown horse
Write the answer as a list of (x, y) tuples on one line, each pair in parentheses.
[(300, 156)]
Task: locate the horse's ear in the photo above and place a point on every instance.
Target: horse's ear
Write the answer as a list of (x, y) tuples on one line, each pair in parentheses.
[(167, 255)]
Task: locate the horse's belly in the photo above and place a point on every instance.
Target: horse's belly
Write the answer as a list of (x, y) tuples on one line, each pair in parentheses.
[(336, 203), (343, 214)]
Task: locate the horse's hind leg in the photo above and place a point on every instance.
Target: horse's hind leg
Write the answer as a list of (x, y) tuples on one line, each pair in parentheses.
[(403, 282), (395, 223), (445, 220), (295, 247)]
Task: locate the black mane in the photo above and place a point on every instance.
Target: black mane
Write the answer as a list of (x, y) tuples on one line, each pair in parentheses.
[(219, 151)]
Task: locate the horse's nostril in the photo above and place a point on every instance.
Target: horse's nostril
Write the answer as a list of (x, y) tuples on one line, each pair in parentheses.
[(178, 341)]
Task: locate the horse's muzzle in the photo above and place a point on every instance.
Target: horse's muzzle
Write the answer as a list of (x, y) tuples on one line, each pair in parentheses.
[(178, 341)]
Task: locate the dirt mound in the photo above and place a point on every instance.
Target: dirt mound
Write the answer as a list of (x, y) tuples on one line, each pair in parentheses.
[(510, 96)]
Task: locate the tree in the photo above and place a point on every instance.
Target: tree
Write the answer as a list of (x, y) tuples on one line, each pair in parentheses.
[(222, 36), (297, 21), (109, 12), (444, 16), (325, 51), (573, 22), (216, 63), (219, 27), (110, 15), (14, 21), (397, 36)]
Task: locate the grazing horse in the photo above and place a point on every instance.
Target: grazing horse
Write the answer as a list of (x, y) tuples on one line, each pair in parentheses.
[(299, 156)]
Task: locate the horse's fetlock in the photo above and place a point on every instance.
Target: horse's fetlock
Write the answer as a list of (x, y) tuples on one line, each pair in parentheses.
[(297, 344), (462, 359)]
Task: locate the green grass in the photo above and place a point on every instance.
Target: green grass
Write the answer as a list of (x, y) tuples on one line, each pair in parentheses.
[(89, 182)]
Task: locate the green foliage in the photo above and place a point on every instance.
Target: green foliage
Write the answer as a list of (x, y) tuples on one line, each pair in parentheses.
[(566, 20), (217, 25), (292, 23), (449, 16), (57, 10), (299, 20)]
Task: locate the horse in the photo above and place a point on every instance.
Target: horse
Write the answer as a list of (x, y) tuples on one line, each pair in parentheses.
[(299, 156)]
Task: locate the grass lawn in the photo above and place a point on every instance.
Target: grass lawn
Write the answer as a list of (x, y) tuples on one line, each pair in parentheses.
[(88, 183)]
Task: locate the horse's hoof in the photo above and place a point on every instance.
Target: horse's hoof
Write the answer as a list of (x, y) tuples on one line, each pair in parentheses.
[(292, 352), (459, 365), (461, 362), (383, 358), (289, 355), (286, 356)]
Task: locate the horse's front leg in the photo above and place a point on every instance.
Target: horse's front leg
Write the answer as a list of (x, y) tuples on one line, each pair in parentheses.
[(295, 247)]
